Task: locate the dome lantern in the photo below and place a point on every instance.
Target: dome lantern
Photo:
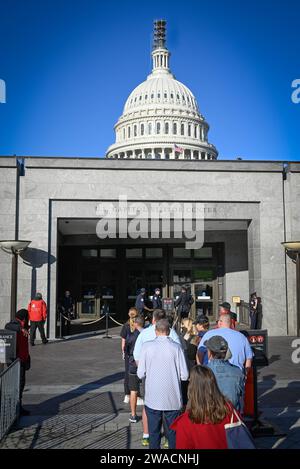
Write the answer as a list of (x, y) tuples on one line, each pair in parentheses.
[(160, 54)]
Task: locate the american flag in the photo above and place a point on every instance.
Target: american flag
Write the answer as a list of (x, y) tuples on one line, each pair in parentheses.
[(178, 149)]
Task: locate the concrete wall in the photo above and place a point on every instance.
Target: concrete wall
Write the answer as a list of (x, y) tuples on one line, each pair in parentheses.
[(237, 190), (7, 231)]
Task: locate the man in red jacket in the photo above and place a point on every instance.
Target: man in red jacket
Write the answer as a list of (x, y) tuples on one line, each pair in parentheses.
[(20, 326), (37, 310)]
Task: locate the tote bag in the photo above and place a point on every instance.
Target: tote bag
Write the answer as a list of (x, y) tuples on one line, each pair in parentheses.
[(237, 434)]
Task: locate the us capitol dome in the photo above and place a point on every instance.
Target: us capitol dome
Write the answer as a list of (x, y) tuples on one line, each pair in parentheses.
[(161, 118)]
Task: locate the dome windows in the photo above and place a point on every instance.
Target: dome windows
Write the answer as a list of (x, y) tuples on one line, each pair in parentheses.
[(182, 129), (158, 127), (135, 130), (175, 128), (167, 128), (128, 132), (142, 129), (149, 128)]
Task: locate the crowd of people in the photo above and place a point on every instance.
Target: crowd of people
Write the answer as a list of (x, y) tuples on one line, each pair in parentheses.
[(190, 381)]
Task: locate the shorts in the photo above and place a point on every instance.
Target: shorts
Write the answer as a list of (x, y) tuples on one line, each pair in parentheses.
[(134, 382), (142, 388)]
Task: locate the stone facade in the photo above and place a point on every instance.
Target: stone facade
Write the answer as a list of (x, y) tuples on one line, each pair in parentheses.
[(263, 195)]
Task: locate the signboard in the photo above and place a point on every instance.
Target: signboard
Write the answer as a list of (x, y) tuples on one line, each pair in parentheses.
[(168, 305), (258, 339), (8, 346), (236, 299)]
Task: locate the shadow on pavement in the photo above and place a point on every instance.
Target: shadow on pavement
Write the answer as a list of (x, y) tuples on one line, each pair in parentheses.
[(74, 419), (281, 408)]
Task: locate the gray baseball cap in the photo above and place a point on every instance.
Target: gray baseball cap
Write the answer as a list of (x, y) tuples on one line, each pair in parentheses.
[(217, 344)]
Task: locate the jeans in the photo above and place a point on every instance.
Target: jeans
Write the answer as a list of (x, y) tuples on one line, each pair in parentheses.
[(40, 326), (155, 420)]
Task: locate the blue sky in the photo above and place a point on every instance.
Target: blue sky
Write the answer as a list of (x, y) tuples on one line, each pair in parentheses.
[(69, 66)]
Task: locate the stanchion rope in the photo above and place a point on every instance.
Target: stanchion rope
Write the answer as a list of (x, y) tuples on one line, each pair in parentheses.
[(84, 323), (119, 324)]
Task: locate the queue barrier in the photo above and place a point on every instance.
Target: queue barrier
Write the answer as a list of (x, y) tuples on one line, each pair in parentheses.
[(258, 339), (9, 397)]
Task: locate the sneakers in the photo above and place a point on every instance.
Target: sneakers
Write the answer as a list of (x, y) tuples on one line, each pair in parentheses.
[(165, 443), (140, 401), (126, 399), (145, 441), (133, 419)]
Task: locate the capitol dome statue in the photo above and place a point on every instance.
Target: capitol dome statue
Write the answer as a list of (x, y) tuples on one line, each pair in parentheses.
[(161, 118)]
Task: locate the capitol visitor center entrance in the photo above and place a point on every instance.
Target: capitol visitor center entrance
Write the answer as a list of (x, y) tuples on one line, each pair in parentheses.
[(112, 275)]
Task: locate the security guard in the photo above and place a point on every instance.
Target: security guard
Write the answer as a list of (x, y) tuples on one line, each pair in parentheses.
[(140, 302), (156, 299), (184, 303)]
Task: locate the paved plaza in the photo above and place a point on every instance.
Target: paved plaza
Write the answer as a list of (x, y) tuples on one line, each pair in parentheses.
[(75, 394)]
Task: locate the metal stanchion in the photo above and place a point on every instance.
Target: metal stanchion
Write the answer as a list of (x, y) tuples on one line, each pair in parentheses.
[(106, 312), (61, 326)]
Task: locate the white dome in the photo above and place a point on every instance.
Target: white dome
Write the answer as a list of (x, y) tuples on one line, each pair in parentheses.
[(161, 89), (161, 118)]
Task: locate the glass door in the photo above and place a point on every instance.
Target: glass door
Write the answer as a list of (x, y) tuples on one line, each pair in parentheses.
[(204, 291), (134, 284), (88, 307), (107, 289)]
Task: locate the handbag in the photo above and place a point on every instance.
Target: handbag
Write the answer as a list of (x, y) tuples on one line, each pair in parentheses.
[(237, 434)]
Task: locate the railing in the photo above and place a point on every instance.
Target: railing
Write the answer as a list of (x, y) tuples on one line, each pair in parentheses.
[(9, 397), (244, 313)]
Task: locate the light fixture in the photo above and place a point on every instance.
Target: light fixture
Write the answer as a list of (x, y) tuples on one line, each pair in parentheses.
[(14, 246), (291, 245)]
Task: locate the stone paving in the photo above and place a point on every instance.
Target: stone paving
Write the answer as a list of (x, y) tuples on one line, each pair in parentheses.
[(75, 395)]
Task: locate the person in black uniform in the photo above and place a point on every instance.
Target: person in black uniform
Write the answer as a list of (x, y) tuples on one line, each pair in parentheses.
[(140, 303), (184, 303), (67, 310), (68, 305), (156, 299)]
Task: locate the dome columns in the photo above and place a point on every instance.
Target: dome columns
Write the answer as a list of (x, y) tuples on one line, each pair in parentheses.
[(165, 152)]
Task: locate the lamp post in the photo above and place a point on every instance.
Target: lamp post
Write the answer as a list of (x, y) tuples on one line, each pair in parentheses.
[(14, 247), (294, 248)]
